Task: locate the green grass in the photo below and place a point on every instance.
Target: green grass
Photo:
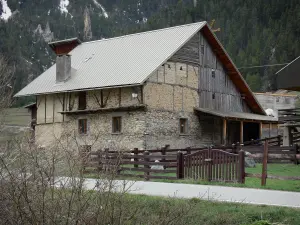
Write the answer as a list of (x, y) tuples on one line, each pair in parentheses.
[(196, 211)]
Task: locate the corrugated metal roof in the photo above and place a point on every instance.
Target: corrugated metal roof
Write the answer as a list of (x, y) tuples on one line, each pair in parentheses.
[(238, 115), (121, 61)]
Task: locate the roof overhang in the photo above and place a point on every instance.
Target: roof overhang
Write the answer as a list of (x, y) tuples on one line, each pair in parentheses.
[(238, 115)]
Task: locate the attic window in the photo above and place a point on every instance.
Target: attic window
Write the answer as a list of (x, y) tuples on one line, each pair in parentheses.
[(202, 49), (169, 66), (213, 73)]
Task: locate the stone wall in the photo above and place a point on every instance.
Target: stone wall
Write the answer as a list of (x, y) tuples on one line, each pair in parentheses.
[(149, 129)]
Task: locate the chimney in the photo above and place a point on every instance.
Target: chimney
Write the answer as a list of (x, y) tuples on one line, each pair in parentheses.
[(63, 68), (63, 59)]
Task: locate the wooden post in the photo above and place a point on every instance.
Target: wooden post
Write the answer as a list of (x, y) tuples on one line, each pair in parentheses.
[(296, 152), (180, 165), (164, 153), (100, 164), (241, 178), (224, 131), (270, 125), (135, 159), (146, 167), (265, 163), (279, 140), (260, 130), (209, 174), (241, 132), (106, 159), (188, 150)]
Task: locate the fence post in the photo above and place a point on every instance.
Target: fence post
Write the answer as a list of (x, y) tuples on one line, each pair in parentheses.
[(209, 175), (265, 163), (135, 159), (180, 165), (106, 162), (296, 148), (279, 140), (164, 153), (188, 150), (146, 167), (241, 178), (100, 165)]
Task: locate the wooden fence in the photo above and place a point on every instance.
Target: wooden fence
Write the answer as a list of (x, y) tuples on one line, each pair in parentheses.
[(287, 115), (273, 141), (213, 165), (269, 151), (276, 154), (197, 163)]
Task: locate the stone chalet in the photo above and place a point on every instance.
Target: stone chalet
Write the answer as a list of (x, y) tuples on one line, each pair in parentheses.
[(175, 86)]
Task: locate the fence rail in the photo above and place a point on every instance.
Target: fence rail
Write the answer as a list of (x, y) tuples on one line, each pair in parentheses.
[(286, 115), (222, 163)]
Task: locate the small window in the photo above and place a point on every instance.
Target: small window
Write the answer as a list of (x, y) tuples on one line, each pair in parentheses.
[(82, 100), (277, 99), (116, 124), (202, 49), (183, 125), (213, 73), (82, 126), (213, 96)]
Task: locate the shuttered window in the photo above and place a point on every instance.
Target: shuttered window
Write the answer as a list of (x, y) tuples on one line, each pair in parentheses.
[(82, 126), (82, 100)]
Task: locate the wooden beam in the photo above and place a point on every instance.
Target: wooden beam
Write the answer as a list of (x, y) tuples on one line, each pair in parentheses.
[(241, 132), (101, 103), (260, 130), (224, 131)]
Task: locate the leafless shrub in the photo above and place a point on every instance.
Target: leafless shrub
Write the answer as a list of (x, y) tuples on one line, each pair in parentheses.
[(47, 185)]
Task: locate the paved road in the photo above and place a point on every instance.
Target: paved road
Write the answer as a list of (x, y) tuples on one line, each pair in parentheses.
[(207, 192)]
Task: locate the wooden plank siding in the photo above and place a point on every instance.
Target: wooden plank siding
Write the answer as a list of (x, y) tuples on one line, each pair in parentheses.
[(215, 92)]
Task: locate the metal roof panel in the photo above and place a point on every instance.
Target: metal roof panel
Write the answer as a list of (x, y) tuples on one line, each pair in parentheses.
[(119, 61)]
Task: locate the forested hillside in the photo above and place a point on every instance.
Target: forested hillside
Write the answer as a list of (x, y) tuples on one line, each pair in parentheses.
[(253, 32)]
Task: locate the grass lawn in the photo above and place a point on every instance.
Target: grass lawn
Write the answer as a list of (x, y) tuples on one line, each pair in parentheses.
[(215, 213), (273, 169)]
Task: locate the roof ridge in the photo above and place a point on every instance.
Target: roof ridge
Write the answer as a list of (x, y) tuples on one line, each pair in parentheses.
[(145, 32)]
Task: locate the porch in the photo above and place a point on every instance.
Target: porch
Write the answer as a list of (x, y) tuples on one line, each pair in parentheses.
[(237, 126)]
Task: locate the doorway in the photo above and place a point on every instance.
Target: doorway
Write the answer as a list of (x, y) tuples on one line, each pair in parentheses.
[(251, 131), (233, 132)]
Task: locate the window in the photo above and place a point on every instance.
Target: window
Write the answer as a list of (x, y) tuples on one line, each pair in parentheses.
[(202, 49), (82, 126), (213, 96), (82, 100), (116, 124), (213, 73), (183, 125)]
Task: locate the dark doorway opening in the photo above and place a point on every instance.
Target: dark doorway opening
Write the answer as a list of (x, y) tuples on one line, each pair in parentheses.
[(233, 132), (251, 131)]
